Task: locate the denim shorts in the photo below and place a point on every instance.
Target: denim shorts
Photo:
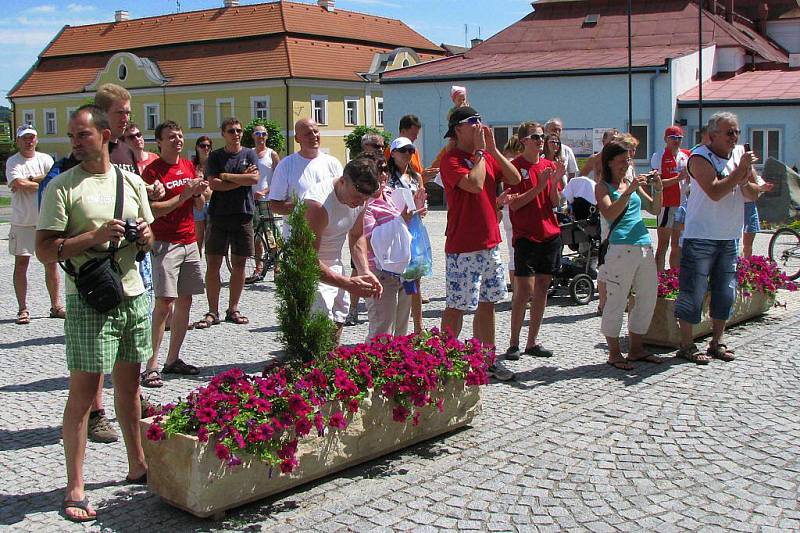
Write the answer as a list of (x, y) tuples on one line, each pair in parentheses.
[(752, 224), (706, 264)]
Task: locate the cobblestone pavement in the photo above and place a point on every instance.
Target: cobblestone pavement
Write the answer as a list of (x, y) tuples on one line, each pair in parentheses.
[(572, 444)]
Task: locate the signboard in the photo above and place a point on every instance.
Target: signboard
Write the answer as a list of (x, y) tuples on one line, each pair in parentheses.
[(580, 140)]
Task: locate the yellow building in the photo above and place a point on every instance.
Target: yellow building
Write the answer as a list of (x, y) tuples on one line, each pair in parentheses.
[(281, 61)]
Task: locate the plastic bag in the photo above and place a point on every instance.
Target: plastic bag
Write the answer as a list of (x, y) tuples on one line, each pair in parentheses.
[(421, 256)]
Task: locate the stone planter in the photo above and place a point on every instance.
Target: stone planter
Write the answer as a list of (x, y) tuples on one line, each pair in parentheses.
[(187, 474), (664, 330)]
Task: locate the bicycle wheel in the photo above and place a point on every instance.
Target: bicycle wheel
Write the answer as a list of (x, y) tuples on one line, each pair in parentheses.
[(255, 266), (784, 249)]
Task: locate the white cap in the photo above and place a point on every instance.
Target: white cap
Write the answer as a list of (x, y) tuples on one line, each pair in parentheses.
[(25, 130), (401, 142), (455, 89)]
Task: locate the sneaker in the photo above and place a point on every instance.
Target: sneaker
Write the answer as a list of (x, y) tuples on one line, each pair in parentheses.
[(100, 429), (500, 373), (538, 351), (512, 354)]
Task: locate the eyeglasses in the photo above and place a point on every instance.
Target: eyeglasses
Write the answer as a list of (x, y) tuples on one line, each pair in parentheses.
[(136, 135), (204, 145), (406, 150), (675, 137), (257, 133), (474, 119), (234, 131), (535, 137), (733, 133)]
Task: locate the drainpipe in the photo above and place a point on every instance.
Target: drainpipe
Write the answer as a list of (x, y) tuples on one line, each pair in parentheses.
[(288, 115), (652, 128)]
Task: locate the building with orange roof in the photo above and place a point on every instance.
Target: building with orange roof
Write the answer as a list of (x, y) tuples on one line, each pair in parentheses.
[(281, 60)]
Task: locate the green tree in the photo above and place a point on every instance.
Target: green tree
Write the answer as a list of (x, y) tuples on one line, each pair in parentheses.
[(353, 140), (304, 335), (275, 138)]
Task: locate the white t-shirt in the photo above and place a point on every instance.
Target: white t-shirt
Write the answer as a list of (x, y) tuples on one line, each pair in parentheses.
[(295, 175), (265, 170), (341, 219), (719, 220), (24, 208)]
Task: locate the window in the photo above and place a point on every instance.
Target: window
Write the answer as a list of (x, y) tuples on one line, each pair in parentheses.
[(122, 72), (640, 131), (70, 111), (196, 112), (766, 143), (50, 122), (503, 133), (225, 108), (152, 116), (319, 109), (351, 111), (259, 107), (379, 110), (29, 117)]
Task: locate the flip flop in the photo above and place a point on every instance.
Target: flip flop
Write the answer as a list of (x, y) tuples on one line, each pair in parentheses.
[(77, 504), (179, 367), (141, 480), (647, 358), (621, 364), (58, 312), (23, 317)]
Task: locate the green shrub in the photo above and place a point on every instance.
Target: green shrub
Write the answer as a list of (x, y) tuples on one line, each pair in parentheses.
[(304, 335), (353, 140), (275, 138)]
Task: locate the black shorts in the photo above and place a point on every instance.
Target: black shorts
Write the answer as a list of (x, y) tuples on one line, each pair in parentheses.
[(235, 231), (532, 258)]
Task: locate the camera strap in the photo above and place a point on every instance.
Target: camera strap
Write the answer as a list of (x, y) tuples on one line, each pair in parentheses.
[(119, 203)]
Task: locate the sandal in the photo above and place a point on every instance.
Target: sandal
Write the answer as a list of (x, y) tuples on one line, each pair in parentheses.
[(151, 379), (647, 357), (58, 312), (208, 320), (720, 351), (692, 354), (179, 367), (77, 504), (236, 317), (23, 317), (141, 480), (621, 364), (258, 275)]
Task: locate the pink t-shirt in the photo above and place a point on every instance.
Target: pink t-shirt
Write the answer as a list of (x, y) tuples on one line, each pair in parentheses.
[(378, 211)]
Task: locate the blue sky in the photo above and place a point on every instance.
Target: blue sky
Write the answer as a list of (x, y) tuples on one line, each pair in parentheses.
[(28, 25)]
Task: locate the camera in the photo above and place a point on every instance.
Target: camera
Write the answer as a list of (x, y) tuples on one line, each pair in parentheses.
[(131, 230), (651, 176)]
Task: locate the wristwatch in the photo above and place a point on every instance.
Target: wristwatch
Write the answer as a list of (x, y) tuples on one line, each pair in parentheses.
[(479, 153)]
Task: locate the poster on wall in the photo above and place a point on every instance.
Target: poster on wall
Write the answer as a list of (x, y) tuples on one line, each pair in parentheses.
[(579, 139)]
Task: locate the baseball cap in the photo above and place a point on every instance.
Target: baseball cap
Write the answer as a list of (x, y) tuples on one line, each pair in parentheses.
[(25, 130), (673, 130), (459, 115), (400, 142)]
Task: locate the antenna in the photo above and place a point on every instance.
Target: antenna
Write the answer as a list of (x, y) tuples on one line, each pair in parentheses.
[(177, 6), (466, 41)]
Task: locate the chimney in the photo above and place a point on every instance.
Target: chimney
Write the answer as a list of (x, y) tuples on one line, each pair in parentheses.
[(763, 15), (230, 3), (327, 5), (121, 15), (729, 11), (475, 42)]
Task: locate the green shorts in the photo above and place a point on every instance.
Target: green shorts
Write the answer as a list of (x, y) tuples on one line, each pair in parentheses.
[(95, 341)]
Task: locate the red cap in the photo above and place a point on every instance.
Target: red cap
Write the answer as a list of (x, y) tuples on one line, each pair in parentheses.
[(673, 130)]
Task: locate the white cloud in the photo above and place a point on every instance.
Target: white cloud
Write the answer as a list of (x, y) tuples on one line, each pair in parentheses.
[(79, 8), (46, 8)]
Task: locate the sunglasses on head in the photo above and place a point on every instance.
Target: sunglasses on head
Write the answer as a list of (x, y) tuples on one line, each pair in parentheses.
[(535, 137), (204, 145), (259, 133), (474, 119), (232, 131), (406, 150), (733, 133), (136, 135)]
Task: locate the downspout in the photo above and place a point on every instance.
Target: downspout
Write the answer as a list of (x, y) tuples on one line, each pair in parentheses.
[(652, 128), (288, 114)]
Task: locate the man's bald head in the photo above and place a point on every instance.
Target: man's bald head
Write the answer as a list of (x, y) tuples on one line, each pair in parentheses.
[(306, 133)]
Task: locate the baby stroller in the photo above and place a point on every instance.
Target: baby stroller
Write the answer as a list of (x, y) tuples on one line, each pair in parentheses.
[(580, 232)]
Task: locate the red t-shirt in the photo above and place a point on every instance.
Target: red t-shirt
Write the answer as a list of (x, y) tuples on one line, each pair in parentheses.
[(536, 220), (671, 167), (176, 226), (471, 218)]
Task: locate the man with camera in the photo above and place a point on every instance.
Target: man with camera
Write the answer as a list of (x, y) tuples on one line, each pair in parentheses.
[(177, 274), (88, 217)]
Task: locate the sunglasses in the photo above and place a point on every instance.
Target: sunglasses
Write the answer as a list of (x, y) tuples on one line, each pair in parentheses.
[(554, 141), (257, 133), (733, 133), (406, 150), (136, 135), (204, 145), (535, 137), (675, 137), (234, 131), (474, 119)]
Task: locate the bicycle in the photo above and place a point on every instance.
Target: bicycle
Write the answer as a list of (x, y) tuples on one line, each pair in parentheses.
[(266, 238), (784, 249)]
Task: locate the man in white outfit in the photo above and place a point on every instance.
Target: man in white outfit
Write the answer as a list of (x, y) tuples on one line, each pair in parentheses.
[(335, 210)]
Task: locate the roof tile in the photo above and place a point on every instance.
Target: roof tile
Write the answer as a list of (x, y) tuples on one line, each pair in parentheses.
[(759, 85)]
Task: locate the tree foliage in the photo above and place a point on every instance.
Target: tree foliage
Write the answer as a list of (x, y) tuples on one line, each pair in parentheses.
[(275, 138), (304, 335), (353, 140)]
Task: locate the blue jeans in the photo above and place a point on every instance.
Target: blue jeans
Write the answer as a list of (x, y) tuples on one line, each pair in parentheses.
[(706, 262)]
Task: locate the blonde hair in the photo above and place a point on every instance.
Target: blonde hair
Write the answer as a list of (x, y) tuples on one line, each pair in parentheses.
[(629, 140), (513, 146), (108, 93), (526, 128)]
